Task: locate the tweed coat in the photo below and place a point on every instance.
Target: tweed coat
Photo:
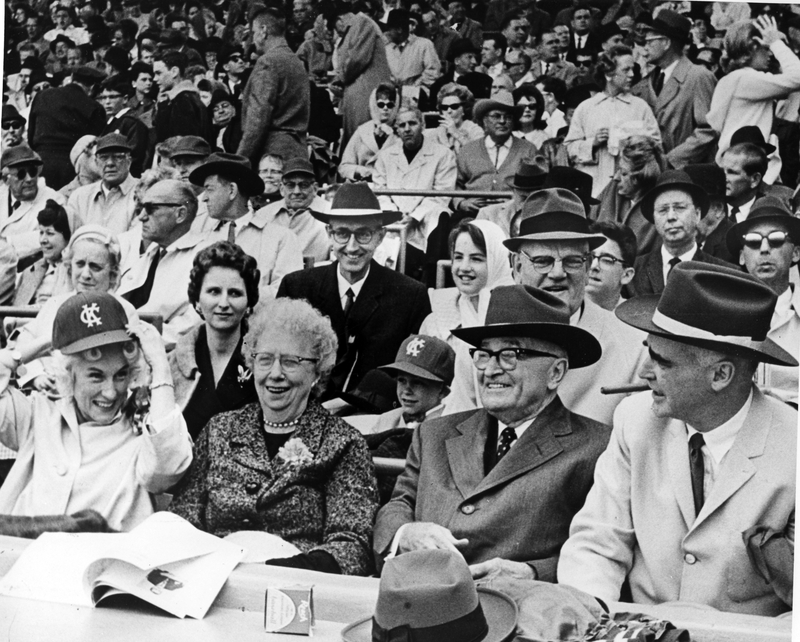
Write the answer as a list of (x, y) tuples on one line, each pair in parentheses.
[(327, 503), (522, 509), (639, 519), (649, 277)]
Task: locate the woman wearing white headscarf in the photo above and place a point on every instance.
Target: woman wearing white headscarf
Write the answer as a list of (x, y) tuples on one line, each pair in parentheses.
[(480, 263)]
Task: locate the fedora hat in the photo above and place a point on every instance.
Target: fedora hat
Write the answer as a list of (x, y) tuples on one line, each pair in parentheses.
[(375, 394), (554, 215), (574, 180), (501, 100), (767, 209), (709, 176), (710, 306), (530, 174), (19, 155), (189, 146), (11, 116), (460, 47), (354, 200), (511, 313), (751, 134), (672, 25), (674, 179), (232, 167), (429, 596)]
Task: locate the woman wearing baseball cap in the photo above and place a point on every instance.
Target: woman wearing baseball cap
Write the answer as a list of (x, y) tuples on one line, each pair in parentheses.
[(95, 447)]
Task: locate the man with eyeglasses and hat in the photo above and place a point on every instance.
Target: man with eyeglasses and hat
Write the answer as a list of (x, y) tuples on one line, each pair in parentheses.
[(22, 197), (694, 499), (372, 308), (114, 95), (229, 182), (299, 190), (675, 206), (13, 125), (111, 201), (553, 251), (767, 245), (500, 484)]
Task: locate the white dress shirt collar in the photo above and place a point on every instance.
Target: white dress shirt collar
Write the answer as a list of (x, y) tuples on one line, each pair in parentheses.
[(666, 257), (345, 285)]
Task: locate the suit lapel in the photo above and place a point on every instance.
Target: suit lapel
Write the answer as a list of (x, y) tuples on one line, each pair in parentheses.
[(465, 452), (248, 447), (655, 271), (367, 301), (673, 85), (678, 465)]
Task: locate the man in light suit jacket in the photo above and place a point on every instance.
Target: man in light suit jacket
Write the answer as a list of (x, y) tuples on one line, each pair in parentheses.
[(500, 484), (694, 499), (678, 91), (675, 206), (554, 228), (372, 308)]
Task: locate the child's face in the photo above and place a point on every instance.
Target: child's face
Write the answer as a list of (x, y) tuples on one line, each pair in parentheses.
[(418, 396)]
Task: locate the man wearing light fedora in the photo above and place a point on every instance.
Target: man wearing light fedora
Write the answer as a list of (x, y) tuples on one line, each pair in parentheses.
[(529, 177), (694, 499), (675, 206), (553, 252), (229, 182), (500, 484), (485, 164), (372, 308), (767, 245)]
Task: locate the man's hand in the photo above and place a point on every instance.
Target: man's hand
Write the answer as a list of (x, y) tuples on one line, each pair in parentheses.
[(500, 569), (427, 535), (600, 138)]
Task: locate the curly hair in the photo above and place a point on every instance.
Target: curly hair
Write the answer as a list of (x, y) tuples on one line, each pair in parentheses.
[(226, 255), (298, 318), (608, 60), (645, 159), (459, 91), (100, 235)]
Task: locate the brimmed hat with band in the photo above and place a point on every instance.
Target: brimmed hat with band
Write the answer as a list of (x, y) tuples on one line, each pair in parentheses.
[(429, 596), (89, 320), (554, 215), (713, 307), (19, 155), (753, 135), (530, 174), (375, 394), (356, 200), (672, 25), (674, 179), (502, 100), (425, 357), (231, 167), (767, 209), (510, 313)]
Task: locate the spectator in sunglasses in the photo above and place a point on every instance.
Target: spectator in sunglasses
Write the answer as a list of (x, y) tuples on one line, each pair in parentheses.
[(455, 122)]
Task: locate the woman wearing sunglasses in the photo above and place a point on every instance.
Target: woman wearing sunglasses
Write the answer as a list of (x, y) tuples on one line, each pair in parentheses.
[(455, 125), (358, 160), (528, 121)]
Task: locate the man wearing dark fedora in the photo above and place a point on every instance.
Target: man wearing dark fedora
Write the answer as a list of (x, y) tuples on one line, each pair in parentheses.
[(678, 91), (229, 182), (500, 484), (111, 201), (529, 177), (715, 224), (767, 245), (485, 164), (372, 308), (412, 60), (463, 58), (553, 252), (187, 153), (675, 206), (13, 125), (694, 499)]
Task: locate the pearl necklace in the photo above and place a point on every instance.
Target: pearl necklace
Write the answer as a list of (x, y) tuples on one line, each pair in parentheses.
[(280, 427)]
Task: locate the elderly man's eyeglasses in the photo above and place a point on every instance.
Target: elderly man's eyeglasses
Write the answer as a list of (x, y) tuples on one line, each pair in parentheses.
[(507, 358), (292, 185), (363, 235), (544, 264), (776, 239), (119, 157), (678, 208), (21, 172), (607, 261), (289, 362), (150, 208)]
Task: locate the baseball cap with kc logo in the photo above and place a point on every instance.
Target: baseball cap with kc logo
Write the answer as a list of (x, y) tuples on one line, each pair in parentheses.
[(89, 320), (425, 357)]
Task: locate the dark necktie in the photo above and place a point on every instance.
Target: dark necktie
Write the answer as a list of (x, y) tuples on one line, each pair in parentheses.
[(697, 470), (658, 80), (15, 206), (141, 295), (672, 263), (507, 437), (348, 304), (232, 232), (546, 68), (734, 212)]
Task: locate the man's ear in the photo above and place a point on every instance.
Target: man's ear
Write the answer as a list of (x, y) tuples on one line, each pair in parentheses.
[(723, 374), (627, 275)]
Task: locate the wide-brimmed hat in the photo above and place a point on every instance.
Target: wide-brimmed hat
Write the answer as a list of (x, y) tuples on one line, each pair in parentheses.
[(231, 167), (89, 320), (189, 146), (354, 200), (672, 25), (674, 179), (425, 357), (19, 155), (511, 313), (88, 76), (767, 209), (608, 30), (710, 306), (112, 142), (554, 215), (753, 135), (11, 116), (430, 595), (530, 174), (375, 394), (501, 100), (709, 176), (460, 47), (576, 181)]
